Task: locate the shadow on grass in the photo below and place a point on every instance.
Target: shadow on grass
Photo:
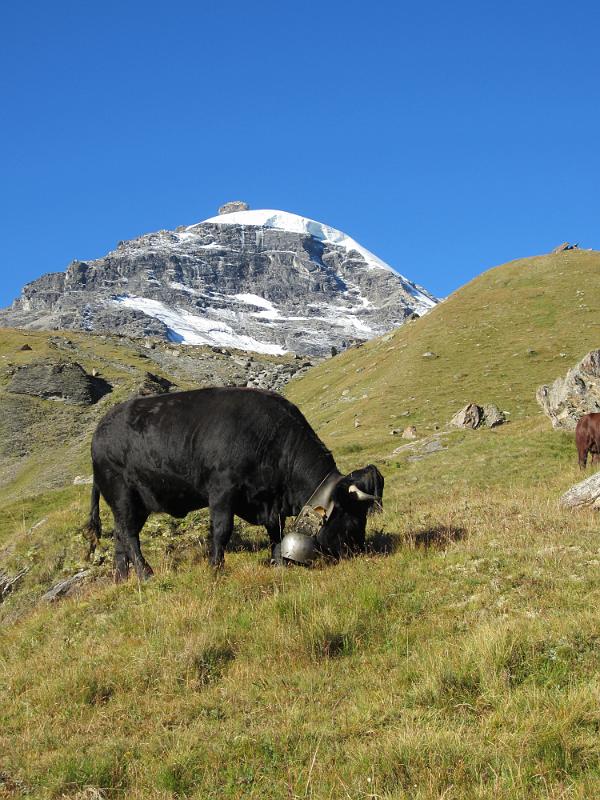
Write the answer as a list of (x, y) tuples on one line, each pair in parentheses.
[(438, 536), (383, 544), (241, 543)]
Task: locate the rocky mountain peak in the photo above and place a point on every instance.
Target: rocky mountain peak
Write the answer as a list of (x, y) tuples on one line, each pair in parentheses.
[(259, 280)]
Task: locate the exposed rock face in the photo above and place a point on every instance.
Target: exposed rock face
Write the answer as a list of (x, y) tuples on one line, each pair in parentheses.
[(474, 416), (256, 287), (66, 381), (578, 393), (585, 494)]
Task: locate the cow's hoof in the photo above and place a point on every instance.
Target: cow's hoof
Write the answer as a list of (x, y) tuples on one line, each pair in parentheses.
[(276, 559)]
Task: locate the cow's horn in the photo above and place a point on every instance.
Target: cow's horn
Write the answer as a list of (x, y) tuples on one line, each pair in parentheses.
[(360, 494)]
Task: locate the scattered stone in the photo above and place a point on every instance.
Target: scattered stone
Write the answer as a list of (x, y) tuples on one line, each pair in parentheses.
[(65, 587), (410, 432), (578, 393), (564, 247), (60, 343), (470, 416), (474, 416), (585, 494), (433, 446), (395, 431), (64, 381), (25, 347), (492, 416), (154, 384), (356, 422), (9, 582), (232, 206), (80, 480), (429, 354)]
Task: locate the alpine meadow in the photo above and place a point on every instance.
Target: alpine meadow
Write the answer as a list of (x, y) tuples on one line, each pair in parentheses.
[(458, 658)]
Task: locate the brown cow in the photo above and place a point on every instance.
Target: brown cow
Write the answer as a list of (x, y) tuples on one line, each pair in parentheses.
[(587, 438)]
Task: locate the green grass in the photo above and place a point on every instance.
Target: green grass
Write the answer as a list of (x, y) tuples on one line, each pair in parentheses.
[(459, 659)]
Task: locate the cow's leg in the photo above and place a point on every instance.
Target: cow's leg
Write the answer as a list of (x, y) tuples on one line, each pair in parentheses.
[(583, 454), (221, 527), (130, 517), (595, 458), (121, 561), (275, 531), (142, 568)]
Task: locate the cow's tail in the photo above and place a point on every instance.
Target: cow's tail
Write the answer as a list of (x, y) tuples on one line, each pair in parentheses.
[(93, 528)]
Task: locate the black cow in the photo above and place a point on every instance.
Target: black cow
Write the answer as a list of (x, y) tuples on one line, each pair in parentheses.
[(238, 451)]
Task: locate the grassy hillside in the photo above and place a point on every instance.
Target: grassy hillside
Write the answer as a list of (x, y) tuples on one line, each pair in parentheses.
[(459, 659)]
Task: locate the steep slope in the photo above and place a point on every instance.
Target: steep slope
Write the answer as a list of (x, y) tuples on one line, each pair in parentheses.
[(264, 281), (494, 340)]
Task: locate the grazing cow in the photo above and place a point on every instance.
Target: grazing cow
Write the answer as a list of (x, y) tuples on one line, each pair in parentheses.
[(587, 439), (234, 450)]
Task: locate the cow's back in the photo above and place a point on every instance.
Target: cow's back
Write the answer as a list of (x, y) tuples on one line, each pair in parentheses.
[(175, 450)]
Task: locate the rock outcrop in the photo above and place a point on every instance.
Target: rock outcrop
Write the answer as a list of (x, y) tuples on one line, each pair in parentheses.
[(562, 248), (578, 393), (233, 206), (253, 280), (66, 381)]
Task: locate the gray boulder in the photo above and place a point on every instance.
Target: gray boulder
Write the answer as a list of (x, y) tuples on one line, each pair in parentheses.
[(562, 248), (470, 416), (65, 587), (64, 381), (155, 384), (578, 393), (585, 494), (492, 416), (474, 416)]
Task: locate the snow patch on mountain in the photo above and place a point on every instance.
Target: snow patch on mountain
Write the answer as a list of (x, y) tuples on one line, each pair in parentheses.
[(187, 328)]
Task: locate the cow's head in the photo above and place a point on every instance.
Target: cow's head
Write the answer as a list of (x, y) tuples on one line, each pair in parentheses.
[(345, 515)]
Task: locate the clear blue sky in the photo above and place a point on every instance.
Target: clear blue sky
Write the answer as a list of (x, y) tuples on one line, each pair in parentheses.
[(445, 137)]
